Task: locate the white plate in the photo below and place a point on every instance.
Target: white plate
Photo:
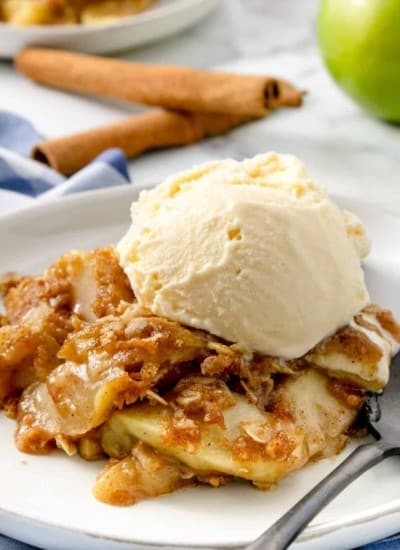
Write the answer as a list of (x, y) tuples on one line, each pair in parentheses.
[(165, 18), (9, 200), (47, 501)]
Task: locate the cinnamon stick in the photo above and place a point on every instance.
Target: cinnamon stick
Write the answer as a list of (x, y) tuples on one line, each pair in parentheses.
[(151, 130), (171, 87)]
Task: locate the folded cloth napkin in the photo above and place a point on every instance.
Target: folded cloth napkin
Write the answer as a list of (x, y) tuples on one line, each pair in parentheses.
[(391, 543), (28, 178), (20, 175)]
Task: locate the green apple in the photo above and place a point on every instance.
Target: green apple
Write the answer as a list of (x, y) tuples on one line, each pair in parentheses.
[(360, 43)]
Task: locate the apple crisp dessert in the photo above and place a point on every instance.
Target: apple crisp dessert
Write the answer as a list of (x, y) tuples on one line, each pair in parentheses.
[(56, 12), (85, 369)]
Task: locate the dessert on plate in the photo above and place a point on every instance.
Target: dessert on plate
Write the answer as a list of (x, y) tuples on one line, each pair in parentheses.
[(56, 12), (229, 335)]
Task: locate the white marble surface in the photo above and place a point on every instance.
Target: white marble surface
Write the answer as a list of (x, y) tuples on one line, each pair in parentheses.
[(345, 149)]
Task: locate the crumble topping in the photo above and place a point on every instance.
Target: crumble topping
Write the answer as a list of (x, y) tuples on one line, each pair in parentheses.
[(86, 369)]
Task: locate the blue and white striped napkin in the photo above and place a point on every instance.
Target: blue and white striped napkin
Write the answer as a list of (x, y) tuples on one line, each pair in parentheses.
[(23, 180)]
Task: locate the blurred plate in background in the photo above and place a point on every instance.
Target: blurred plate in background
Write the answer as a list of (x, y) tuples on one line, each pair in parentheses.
[(165, 18)]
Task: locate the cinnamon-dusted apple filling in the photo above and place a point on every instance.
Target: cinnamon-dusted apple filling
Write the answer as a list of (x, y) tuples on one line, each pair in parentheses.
[(86, 369), (56, 12)]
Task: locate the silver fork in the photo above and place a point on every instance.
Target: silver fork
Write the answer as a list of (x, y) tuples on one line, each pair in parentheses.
[(382, 414)]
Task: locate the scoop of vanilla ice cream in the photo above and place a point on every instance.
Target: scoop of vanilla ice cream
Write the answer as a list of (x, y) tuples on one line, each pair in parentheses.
[(356, 233), (251, 251)]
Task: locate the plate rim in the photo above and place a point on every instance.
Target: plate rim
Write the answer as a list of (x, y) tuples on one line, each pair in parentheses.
[(146, 16), (311, 533)]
